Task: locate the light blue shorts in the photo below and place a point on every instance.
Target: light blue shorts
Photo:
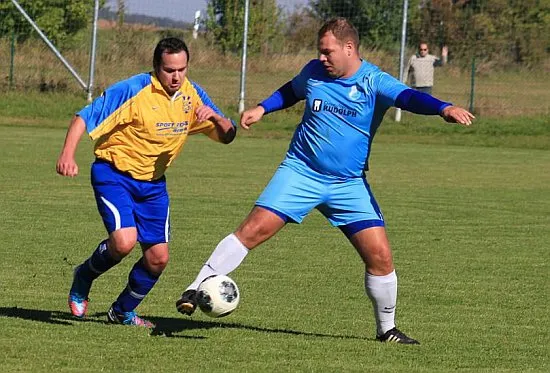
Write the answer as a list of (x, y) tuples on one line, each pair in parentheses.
[(126, 202), (295, 190)]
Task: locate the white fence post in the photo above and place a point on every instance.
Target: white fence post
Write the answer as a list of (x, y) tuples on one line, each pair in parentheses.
[(402, 52), (243, 60)]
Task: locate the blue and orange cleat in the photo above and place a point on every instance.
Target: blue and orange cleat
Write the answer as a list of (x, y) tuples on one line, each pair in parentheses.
[(128, 318), (78, 296), (78, 306)]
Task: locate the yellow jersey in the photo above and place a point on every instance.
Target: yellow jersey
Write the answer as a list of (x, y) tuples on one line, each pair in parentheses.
[(140, 129)]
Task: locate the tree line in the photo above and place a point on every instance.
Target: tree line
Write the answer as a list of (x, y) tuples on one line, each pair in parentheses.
[(506, 32)]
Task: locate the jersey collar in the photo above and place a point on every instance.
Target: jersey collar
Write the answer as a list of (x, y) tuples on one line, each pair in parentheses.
[(158, 86)]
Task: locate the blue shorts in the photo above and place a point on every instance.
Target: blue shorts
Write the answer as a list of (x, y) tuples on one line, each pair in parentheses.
[(294, 190), (126, 202)]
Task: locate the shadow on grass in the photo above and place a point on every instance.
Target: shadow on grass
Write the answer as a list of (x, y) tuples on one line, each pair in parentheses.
[(50, 317), (166, 326)]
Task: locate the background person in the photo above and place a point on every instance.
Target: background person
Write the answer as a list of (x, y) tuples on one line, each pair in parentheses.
[(140, 125), (420, 68), (345, 101)]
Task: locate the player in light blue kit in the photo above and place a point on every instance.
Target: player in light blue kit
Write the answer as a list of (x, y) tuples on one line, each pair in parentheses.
[(346, 98)]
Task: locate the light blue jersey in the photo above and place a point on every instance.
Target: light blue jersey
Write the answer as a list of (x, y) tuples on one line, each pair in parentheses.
[(324, 165), (341, 117)]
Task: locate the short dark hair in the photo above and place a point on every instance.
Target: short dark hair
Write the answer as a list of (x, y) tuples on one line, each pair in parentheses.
[(342, 29), (168, 45)]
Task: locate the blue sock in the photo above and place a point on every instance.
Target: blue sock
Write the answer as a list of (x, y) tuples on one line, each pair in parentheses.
[(140, 282), (98, 263)]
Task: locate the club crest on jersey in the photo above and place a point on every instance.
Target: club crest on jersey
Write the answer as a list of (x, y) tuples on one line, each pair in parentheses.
[(354, 94), (187, 104)]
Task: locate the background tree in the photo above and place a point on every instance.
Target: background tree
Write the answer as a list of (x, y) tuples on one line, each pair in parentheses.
[(225, 22), (498, 33), (58, 19), (121, 12), (377, 21), (302, 28), (431, 22)]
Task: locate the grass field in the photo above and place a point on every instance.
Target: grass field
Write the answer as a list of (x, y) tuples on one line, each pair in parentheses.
[(468, 220)]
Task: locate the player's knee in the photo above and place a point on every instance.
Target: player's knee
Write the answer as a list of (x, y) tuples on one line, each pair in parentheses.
[(259, 226), (386, 265), (156, 263), (379, 262), (381, 265), (160, 261), (252, 234), (122, 245)]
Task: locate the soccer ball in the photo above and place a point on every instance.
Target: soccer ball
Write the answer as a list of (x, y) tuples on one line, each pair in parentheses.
[(218, 296)]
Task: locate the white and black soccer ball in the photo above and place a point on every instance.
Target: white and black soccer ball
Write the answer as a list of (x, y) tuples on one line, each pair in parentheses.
[(218, 296)]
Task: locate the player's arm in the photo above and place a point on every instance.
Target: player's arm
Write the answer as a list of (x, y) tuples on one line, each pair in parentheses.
[(66, 164), (208, 111), (225, 128), (423, 103), (282, 98)]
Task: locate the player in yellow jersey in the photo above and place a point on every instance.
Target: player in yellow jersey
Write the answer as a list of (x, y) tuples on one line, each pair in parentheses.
[(140, 125)]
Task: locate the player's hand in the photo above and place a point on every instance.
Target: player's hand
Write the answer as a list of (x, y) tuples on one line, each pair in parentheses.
[(455, 114), (66, 166), (251, 116), (444, 51), (205, 113)]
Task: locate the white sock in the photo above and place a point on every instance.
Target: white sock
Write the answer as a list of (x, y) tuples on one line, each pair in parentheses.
[(225, 258), (382, 291)]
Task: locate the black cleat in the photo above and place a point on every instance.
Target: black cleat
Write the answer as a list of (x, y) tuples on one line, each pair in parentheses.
[(188, 302), (396, 336)]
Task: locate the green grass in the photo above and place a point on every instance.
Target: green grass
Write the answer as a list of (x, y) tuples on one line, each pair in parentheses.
[(468, 225)]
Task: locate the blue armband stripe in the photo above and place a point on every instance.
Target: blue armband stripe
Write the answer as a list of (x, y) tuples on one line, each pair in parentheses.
[(420, 102)]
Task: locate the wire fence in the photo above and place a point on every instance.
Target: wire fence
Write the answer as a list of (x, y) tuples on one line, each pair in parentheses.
[(476, 74)]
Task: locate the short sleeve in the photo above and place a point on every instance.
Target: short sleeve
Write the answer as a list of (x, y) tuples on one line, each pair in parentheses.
[(114, 107), (387, 88)]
